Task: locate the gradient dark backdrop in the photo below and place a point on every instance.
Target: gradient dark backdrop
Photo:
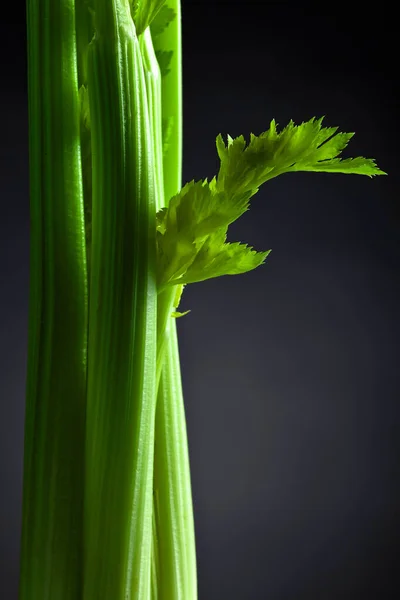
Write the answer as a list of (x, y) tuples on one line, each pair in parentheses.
[(290, 372)]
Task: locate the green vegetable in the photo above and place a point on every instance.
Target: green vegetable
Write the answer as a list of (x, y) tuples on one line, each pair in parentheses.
[(192, 230), (51, 542), (107, 509), (121, 390)]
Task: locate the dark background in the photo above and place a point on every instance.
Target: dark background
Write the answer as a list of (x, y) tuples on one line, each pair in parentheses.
[(290, 372)]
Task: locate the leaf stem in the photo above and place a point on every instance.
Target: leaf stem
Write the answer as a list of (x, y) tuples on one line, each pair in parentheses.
[(174, 553)]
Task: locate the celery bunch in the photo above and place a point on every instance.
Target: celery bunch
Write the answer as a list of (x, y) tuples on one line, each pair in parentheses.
[(107, 511)]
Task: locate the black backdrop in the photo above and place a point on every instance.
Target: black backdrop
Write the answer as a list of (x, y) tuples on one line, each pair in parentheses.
[(290, 372)]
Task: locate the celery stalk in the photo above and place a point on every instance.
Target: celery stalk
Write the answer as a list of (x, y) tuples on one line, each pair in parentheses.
[(172, 485), (174, 553), (122, 316), (107, 507), (51, 565), (171, 98)]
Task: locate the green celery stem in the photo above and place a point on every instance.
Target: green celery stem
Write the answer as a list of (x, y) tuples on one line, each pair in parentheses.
[(172, 489), (51, 545), (174, 552), (164, 309), (171, 93), (122, 314)]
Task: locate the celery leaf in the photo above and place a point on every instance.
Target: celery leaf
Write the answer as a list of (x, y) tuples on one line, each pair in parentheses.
[(192, 230), (305, 147), (216, 258)]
